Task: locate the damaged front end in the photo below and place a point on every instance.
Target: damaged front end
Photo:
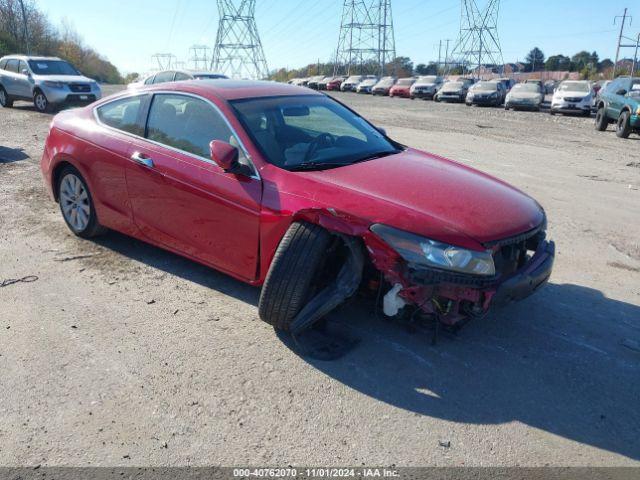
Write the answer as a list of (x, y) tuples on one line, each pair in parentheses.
[(454, 284)]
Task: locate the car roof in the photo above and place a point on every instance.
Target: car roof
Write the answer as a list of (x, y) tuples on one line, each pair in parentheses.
[(231, 89), (28, 57)]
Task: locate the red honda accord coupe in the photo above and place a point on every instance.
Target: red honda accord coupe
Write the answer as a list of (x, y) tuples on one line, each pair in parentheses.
[(287, 188)]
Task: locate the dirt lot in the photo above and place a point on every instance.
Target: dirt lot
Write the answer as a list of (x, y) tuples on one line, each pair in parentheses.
[(122, 354)]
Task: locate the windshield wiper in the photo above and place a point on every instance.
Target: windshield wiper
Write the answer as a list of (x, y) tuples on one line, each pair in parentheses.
[(316, 166), (373, 156)]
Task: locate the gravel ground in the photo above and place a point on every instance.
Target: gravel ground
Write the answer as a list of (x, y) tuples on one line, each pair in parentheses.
[(123, 354)]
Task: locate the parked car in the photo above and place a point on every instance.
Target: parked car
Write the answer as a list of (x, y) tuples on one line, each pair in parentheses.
[(350, 84), (335, 83), (288, 189), (572, 96), (525, 96), (455, 91), (314, 82), (402, 88), (322, 84), (620, 104), (535, 81), (383, 86), (366, 86), (175, 76), (486, 93), (426, 87), (48, 82)]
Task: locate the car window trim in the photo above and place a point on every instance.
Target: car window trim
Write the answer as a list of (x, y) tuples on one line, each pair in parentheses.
[(147, 106)]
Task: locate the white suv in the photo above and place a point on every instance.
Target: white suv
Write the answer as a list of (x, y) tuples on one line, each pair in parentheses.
[(48, 82)]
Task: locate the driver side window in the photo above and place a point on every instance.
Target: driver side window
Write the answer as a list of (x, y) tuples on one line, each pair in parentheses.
[(321, 119)]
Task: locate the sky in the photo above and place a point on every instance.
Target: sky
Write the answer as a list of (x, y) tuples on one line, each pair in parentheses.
[(295, 33)]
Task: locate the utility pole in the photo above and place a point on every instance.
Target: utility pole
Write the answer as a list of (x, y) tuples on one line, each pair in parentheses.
[(446, 56), (439, 58), (25, 31), (635, 56)]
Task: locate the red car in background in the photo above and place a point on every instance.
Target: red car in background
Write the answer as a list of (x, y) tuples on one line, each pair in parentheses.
[(335, 83), (402, 88), (286, 188)]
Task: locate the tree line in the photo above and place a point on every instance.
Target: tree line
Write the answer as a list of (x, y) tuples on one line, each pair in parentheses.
[(41, 37)]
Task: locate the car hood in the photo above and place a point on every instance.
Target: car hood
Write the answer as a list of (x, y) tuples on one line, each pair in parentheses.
[(430, 196), (569, 93), (424, 85), (452, 90), (63, 78)]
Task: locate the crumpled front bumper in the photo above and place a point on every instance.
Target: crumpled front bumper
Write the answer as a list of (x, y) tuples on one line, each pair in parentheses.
[(529, 278)]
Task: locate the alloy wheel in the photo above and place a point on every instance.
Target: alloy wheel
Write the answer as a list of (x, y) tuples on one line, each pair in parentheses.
[(41, 102), (74, 201)]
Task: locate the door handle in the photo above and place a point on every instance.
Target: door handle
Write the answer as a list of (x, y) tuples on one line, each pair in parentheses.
[(142, 159)]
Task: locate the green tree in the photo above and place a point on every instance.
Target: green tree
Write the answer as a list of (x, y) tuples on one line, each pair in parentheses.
[(535, 59), (581, 60), (557, 63)]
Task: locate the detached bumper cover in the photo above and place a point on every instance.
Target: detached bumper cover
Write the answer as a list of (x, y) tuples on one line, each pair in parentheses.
[(530, 278)]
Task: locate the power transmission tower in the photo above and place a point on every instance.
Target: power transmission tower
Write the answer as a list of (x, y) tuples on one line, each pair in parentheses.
[(478, 42), (199, 56), (163, 61), (622, 37), (366, 39), (238, 51)]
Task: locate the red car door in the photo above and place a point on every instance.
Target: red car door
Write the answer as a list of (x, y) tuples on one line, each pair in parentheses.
[(182, 199)]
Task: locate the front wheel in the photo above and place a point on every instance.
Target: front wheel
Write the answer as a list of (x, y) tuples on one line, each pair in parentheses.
[(40, 102), (76, 204), (5, 100), (294, 273), (623, 128), (601, 120)]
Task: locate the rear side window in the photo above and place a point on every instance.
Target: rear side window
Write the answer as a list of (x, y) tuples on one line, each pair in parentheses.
[(163, 77), (149, 80), (123, 114), (181, 76), (12, 65), (186, 123)]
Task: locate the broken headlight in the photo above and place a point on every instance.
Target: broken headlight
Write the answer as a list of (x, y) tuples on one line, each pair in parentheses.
[(431, 253)]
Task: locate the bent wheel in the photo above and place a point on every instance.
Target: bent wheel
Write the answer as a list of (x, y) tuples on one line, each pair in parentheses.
[(295, 269)]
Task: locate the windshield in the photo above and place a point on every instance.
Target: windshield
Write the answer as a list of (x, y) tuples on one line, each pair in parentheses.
[(52, 67), (369, 82), (428, 79), (387, 81), (354, 79), (308, 132), (574, 87), (453, 85), (526, 87), (487, 86), (406, 81)]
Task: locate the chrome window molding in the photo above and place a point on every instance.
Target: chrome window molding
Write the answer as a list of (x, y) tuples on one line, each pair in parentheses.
[(254, 176)]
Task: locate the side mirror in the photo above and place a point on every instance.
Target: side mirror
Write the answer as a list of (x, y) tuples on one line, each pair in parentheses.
[(382, 131), (621, 92), (25, 72), (224, 155)]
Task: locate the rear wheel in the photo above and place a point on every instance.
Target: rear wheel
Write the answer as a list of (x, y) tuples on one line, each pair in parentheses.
[(623, 128), (295, 271), (77, 205), (601, 120), (5, 100)]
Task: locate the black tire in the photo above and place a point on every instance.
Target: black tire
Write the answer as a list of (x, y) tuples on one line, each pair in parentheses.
[(551, 112), (5, 100), (601, 120), (93, 227), (290, 281), (623, 128)]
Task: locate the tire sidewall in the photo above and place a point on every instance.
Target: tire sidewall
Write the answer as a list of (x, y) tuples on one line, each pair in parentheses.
[(92, 224), (4, 98), (46, 108), (623, 129), (601, 119)]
